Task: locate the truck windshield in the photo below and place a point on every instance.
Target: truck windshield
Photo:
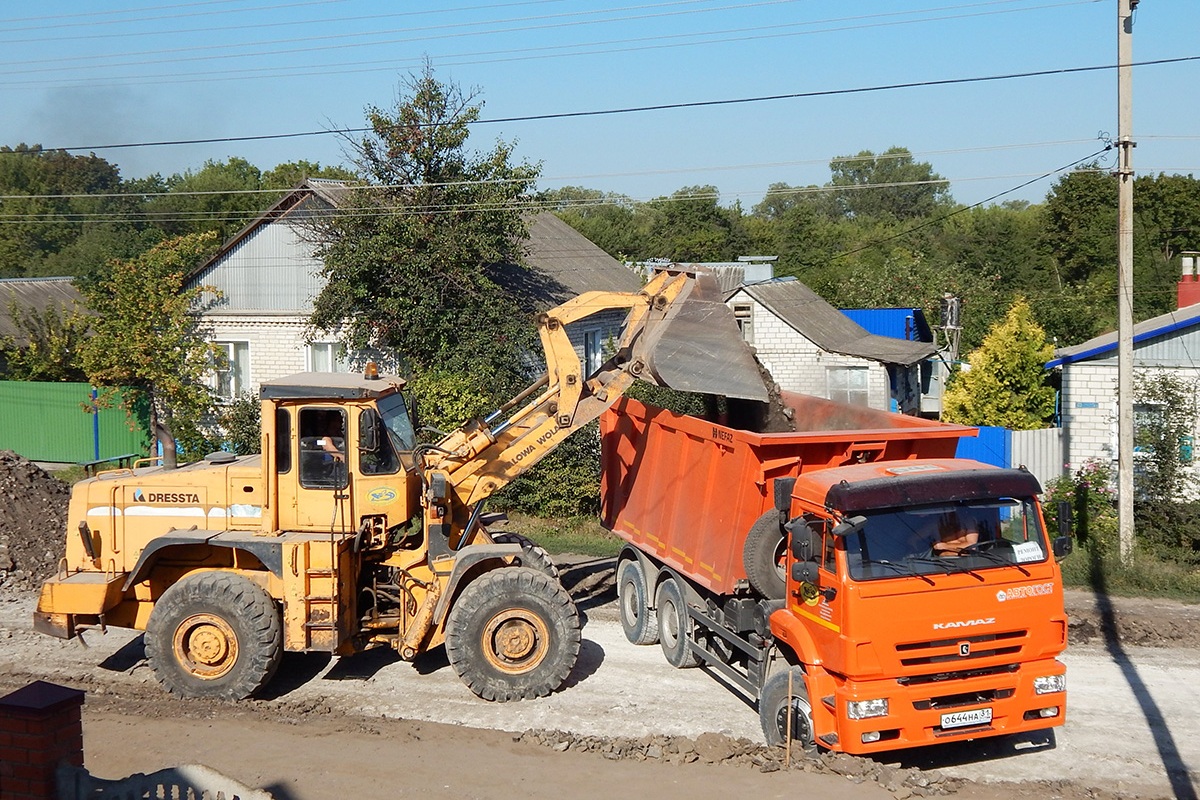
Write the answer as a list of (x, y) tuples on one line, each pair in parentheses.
[(960, 537), (399, 425)]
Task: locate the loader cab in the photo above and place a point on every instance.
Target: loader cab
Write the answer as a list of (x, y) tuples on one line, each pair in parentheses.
[(340, 452)]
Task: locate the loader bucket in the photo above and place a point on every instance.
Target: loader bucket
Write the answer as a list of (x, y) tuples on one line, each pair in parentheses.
[(697, 347)]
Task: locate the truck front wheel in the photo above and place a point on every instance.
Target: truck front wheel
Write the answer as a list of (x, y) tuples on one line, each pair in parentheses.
[(779, 717), (513, 634), (215, 635), (674, 625), (638, 619)]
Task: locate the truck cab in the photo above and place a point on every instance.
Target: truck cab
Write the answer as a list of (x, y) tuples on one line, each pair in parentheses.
[(925, 601)]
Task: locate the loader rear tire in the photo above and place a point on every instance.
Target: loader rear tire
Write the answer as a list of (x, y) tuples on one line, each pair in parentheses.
[(764, 556), (773, 710), (214, 635), (638, 619), (532, 554), (674, 625), (513, 634)]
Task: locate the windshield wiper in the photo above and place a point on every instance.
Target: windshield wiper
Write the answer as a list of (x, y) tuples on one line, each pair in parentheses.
[(901, 569), (996, 558)]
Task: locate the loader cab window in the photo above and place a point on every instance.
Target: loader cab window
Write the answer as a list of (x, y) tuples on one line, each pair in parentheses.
[(323, 448), (283, 441), (399, 425), (376, 455)]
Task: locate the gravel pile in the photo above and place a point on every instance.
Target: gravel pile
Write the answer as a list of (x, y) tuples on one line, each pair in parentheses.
[(33, 519), (715, 748)]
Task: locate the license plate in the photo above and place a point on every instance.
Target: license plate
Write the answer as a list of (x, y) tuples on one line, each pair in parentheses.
[(961, 719)]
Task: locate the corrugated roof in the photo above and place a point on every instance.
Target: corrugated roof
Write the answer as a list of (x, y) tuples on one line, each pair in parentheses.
[(572, 263), (1161, 325), (564, 262), (830, 329), (34, 293)]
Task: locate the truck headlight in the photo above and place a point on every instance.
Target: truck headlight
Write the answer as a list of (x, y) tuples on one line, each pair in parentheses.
[(1046, 684), (864, 709)]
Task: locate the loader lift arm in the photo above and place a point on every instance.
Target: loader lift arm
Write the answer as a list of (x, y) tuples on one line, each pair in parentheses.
[(474, 462)]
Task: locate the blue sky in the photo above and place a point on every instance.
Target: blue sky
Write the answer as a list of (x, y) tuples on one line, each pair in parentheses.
[(96, 73)]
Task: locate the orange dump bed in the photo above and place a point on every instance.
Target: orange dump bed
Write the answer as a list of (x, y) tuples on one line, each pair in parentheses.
[(687, 490)]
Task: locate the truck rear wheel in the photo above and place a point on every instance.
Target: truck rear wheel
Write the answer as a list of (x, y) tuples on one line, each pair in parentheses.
[(215, 635), (638, 619), (513, 634), (774, 710), (532, 554), (764, 556), (674, 625)]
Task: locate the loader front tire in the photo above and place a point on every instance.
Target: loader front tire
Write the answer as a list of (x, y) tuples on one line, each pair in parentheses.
[(532, 554), (513, 634), (214, 635), (764, 556)]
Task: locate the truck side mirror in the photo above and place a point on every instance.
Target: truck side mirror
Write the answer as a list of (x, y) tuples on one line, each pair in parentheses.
[(368, 430), (805, 541), (1064, 518), (1063, 546), (804, 572), (849, 526)]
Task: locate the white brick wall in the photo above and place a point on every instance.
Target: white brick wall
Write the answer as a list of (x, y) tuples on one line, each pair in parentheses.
[(798, 365)]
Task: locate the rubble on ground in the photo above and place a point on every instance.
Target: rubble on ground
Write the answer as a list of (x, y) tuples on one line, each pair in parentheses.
[(33, 517), (715, 748)]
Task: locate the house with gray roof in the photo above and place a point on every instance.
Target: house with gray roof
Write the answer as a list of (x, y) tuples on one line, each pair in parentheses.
[(813, 348), (38, 295), (1169, 342), (269, 275)]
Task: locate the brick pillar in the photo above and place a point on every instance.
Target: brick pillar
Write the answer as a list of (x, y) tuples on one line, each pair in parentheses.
[(40, 727)]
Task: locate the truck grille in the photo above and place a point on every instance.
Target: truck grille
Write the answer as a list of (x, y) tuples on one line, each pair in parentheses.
[(941, 651), (947, 701)]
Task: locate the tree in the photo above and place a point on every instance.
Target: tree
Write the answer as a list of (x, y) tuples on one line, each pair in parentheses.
[(413, 261), (292, 173), (1005, 384), (890, 184), (690, 225), (50, 350), (146, 339)]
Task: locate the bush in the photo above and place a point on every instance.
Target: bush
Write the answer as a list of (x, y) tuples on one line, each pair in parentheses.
[(1089, 491), (565, 483)]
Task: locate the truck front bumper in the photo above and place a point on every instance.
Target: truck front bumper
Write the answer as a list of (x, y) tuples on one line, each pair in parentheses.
[(923, 710)]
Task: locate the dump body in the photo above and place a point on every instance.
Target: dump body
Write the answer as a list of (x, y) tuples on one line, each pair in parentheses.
[(687, 490)]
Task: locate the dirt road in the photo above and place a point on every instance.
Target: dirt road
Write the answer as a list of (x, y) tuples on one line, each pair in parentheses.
[(1132, 729)]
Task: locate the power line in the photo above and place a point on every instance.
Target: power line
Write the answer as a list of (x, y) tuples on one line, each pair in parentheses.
[(526, 53), (658, 107)]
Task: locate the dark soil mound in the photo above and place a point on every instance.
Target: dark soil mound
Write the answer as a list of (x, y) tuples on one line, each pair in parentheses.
[(33, 517)]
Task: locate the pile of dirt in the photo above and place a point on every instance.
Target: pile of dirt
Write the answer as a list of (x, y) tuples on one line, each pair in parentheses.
[(33, 517)]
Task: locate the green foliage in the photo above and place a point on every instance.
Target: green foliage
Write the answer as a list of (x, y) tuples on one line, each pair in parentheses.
[(416, 269), (291, 174), (1165, 423), (146, 341), (690, 225), (1088, 491), (51, 340), (446, 400), (240, 422), (566, 483), (1006, 383), (576, 535), (906, 189)]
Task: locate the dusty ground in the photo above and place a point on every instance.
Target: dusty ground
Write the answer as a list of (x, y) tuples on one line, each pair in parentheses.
[(371, 724), (355, 726)]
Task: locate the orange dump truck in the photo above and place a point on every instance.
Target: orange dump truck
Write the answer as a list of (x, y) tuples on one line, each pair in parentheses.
[(868, 590)]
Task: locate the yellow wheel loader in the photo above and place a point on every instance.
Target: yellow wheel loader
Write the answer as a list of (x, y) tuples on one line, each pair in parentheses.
[(347, 534)]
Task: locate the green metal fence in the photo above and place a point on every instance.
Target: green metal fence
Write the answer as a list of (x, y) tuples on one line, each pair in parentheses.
[(54, 422)]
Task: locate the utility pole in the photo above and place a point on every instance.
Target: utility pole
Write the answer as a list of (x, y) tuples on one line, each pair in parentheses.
[(1125, 147)]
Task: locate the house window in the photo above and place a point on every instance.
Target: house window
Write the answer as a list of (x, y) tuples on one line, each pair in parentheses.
[(593, 351), (327, 357), (233, 369), (743, 314), (848, 385)]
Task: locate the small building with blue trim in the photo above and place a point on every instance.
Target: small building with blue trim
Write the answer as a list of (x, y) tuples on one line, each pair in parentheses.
[(1088, 401)]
